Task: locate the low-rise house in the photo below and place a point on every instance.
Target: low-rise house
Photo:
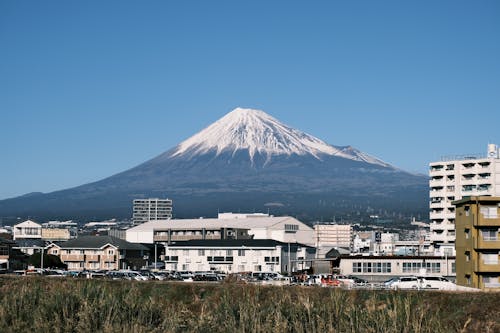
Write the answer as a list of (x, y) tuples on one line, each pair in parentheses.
[(100, 253), (238, 255)]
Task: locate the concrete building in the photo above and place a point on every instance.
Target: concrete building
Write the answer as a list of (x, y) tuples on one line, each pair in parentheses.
[(284, 229), (478, 242), (329, 235), (451, 179), (233, 256), (151, 209), (382, 268)]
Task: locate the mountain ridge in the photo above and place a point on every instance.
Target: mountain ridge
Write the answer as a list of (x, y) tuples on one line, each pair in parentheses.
[(244, 160)]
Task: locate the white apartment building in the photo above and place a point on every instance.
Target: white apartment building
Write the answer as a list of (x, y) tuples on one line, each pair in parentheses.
[(233, 256), (151, 209), (453, 178)]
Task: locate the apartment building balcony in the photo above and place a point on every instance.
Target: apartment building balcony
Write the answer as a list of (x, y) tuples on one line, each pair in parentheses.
[(438, 172), (481, 244), (72, 257), (436, 182), (186, 237), (481, 267), (437, 215), (108, 258), (160, 238), (438, 204), (450, 216), (92, 257), (483, 221)]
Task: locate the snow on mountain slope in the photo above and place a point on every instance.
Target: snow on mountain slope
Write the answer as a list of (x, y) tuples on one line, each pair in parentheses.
[(258, 132)]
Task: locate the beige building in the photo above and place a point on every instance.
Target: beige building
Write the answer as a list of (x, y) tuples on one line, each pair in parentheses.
[(329, 235), (478, 242), (99, 253), (55, 234)]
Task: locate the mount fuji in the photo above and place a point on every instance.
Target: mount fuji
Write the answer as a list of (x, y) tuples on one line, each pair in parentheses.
[(247, 160)]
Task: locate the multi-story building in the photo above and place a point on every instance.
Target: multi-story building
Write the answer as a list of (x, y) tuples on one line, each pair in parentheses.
[(238, 255), (478, 242), (151, 209), (27, 230), (451, 179), (99, 253), (284, 229), (329, 235)]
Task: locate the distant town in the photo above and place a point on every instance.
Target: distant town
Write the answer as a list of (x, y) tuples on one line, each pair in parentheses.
[(461, 243)]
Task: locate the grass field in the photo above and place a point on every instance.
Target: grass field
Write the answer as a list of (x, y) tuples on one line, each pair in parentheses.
[(73, 305)]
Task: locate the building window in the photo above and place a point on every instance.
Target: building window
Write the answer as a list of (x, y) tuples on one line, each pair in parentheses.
[(229, 252), (490, 234), (467, 233), (453, 268), (490, 258), (241, 253), (291, 228), (489, 212), (467, 256), (491, 281), (110, 252), (241, 268), (257, 268), (185, 267), (468, 279), (367, 267), (201, 253)]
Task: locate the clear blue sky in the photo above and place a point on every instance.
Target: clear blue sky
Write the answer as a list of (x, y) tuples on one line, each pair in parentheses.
[(92, 88)]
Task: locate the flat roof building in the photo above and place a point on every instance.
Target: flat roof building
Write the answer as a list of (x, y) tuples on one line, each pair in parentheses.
[(151, 209), (453, 178), (478, 242)]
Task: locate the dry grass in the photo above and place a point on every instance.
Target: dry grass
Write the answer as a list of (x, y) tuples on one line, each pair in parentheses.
[(45, 305)]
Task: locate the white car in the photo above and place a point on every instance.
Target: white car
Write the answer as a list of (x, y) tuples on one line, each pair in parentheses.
[(436, 282), (422, 282), (405, 282)]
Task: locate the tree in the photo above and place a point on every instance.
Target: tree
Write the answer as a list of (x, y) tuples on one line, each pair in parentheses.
[(49, 261)]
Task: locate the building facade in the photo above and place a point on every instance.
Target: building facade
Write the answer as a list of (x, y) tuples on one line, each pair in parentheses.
[(382, 268), (329, 235), (478, 242), (284, 229), (99, 253), (453, 178), (151, 209), (236, 256), (27, 230)]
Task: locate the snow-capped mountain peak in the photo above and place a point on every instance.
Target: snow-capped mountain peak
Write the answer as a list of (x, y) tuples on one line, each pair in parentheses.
[(260, 133)]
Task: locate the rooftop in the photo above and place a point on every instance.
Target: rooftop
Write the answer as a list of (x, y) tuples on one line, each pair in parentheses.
[(246, 223)]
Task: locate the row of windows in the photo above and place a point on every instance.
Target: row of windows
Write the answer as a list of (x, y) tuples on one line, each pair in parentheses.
[(415, 267), (203, 252), (291, 227), (80, 252), (371, 267)]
